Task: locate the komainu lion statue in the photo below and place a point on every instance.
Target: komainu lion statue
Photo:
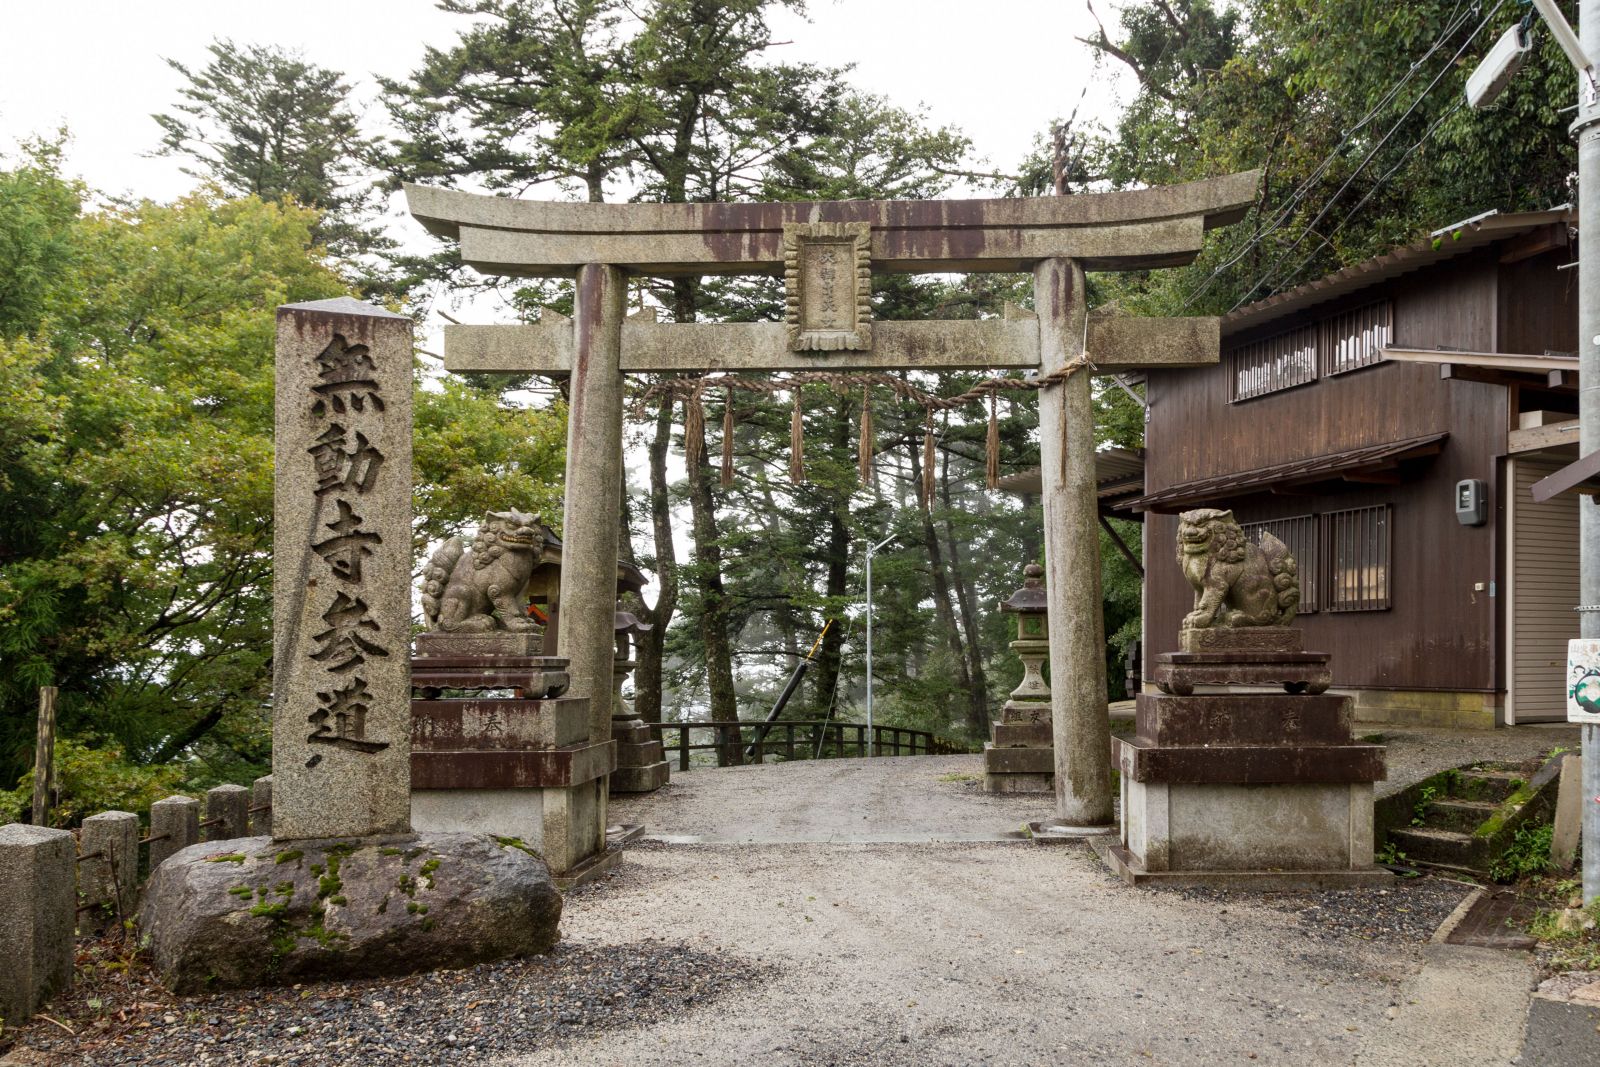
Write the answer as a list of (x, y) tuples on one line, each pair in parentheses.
[(1235, 582), (483, 588)]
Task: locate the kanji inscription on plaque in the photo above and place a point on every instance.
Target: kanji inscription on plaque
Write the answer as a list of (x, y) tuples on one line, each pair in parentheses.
[(828, 280)]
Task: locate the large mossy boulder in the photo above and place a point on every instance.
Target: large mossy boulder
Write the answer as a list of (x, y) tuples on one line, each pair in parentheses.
[(249, 912)]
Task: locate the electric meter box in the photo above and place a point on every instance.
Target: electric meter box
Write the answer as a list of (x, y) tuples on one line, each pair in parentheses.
[(1471, 506)]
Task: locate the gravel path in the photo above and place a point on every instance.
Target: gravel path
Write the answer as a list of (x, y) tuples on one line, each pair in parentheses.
[(1415, 753), (818, 946), (1000, 954)]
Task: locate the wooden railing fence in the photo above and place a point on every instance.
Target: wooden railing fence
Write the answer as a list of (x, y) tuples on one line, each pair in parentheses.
[(792, 739)]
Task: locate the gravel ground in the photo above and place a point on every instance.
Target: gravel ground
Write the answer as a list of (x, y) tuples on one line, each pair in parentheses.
[(449, 1017), (953, 951), (977, 953), (1415, 753)]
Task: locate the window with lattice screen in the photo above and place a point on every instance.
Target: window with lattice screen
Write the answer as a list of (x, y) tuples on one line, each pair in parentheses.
[(1299, 532), (1358, 543)]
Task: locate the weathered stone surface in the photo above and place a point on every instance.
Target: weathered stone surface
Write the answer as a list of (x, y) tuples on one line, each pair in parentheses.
[(1243, 719), (109, 874), (951, 344), (564, 824), (1119, 230), (644, 778), (227, 812), (1018, 760), (1013, 782), (476, 724), (1297, 672), (483, 589), (257, 912), (1236, 583), (1022, 734), (342, 566), (261, 806), (513, 768), (497, 644), (1242, 639), (1199, 827), (174, 826), (36, 918), (1249, 764)]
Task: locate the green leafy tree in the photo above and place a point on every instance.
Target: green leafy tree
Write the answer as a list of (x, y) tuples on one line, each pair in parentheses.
[(136, 422), (1355, 114), (262, 121)]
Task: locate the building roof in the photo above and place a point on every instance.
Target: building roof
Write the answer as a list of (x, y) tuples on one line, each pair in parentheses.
[(1295, 472), (1118, 473), (1438, 246)]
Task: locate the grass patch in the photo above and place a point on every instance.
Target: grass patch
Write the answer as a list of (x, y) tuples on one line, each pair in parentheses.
[(957, 776)]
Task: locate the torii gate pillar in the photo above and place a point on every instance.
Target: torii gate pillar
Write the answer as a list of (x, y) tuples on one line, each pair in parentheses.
[(1072, 553), (591, 518)]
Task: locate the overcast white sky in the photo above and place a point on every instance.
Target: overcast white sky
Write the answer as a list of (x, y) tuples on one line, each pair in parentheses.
[(1001, 70)]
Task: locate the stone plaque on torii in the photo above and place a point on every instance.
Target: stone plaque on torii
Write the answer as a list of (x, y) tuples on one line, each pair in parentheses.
[(826, 253)]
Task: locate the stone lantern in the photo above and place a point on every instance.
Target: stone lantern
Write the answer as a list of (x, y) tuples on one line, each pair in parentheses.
[(641, 762), (1021, 756)]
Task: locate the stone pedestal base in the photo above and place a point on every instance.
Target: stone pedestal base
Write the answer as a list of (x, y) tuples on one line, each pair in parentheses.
[(641, 761), (253, 911), (1017, 769), (563, 825), (520, 770), (1021, 758), (1261, 788)]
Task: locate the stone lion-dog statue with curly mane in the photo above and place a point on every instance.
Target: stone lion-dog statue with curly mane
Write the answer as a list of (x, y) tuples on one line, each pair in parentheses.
[(1236, 583), (482, 589)]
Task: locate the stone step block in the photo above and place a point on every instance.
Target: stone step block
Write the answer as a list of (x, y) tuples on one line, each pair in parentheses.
[(1434, 846), (1022, 735), (1243, 719), (1461, 815), (1018, 760), (498, 724), (512, 769), (641, 779), (630, 732), (1248, 764), (640, 755), (1487, 785)]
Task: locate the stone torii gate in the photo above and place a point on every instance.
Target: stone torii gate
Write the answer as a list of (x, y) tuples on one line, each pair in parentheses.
[(826, 253)]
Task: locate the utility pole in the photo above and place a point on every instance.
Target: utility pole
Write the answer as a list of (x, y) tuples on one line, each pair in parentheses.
[(1587, 131), (872, 746), (1486, 83)]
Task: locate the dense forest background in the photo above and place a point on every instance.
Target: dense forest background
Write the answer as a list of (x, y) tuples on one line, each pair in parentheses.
[(136, 339)]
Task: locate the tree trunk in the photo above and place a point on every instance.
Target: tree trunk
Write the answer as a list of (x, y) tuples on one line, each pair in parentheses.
[(830, 656), (977, 683), (647, 677), (941, 587), (714, 612)]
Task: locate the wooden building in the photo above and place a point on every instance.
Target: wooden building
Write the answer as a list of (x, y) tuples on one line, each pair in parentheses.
[(1347, 416)]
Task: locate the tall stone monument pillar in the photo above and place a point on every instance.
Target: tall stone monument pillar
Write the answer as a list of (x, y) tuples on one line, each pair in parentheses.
[(341, 724)]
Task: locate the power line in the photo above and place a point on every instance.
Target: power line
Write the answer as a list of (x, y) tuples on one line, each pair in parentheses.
[(1286, 212), (1323, 213), (1404, 159)]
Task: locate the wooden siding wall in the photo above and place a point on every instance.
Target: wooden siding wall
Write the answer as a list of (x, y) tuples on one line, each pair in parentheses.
[(1543, 591), (1439, 634), (1535, 313)]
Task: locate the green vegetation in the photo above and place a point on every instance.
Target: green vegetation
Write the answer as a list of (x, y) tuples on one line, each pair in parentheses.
[(1528, 854)]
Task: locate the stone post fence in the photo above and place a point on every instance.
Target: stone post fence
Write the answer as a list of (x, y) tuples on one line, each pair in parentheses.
[(57, 885)]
